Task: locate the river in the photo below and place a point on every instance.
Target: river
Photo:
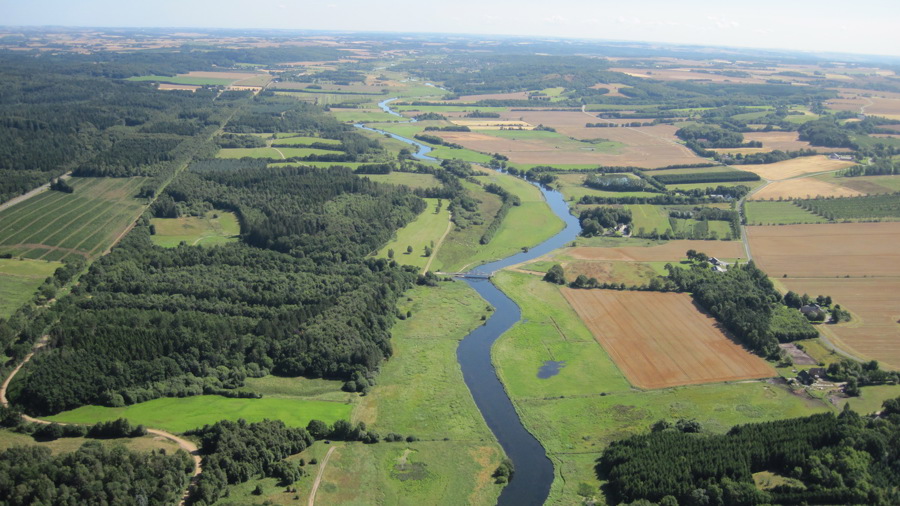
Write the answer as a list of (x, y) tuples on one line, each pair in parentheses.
[(533, 469)]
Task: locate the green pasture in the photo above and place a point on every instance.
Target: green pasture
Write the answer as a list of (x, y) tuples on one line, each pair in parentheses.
[(215, 227), (425, 230), (185, 413), (10, 439), (54, 225), (306, 141), (439, 108), (364, 115), (271, 153), (445, 153), (649, 218), (871, 398), (411, 179), (19, 279), (779, 213)]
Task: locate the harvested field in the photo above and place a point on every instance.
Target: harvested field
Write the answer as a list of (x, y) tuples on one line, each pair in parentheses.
[(667, 252), (492, 124), (649, 147), (518, 95), (802, 188), (662, 340), (785, 141), (795, 167), (185, 87), (874, 332), (827, 251)]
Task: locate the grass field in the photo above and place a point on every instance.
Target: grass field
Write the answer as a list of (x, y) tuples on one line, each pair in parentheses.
[(411, 179), (425, 230), (216, 227), (197, 81), (572, 187), (363, 115), (589, 404), (9, 439), (871, 398), (19, 279), (779, 213), (274, 153), (646, 218), (703, 186), (662, 340), (306, 141), (638, 250), (525, 225), (54, 225), (182, 414)]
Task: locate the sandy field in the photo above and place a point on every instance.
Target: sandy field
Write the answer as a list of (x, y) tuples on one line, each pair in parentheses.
[(801, 188), (874, 332), (685, 74), (663, 340), (670, 251), (827, 250), (187, 87)]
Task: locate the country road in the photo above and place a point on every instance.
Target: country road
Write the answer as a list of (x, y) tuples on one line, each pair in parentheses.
[(315, 486), (184, 444)]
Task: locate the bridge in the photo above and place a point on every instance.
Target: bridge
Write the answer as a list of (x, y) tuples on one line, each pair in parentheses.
[(469, 275)]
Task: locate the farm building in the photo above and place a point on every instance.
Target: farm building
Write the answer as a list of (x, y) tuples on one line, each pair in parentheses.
[(810, 376), (810, 309)]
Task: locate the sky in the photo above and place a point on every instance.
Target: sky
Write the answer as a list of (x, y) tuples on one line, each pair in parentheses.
[(861, 26)]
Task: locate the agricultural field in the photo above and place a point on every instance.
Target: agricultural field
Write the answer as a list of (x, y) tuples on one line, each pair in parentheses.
[(572, 187), (427, 230), (185, 80), (306, 141), (589, 403), (779, 213), (55, 225), (875, 206), (804, 188), (645, 219), (873, 333), (702, 186), (215, 227), (270, 152), (363, 115), (669, 251), (795, 167), (869, 185), (19, 279), (181, 414), (827, 251), (529, 146), (662, 340)]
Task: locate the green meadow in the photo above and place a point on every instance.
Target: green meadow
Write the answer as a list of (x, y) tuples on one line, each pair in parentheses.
[(215, 227), (425, 230), (19, 279), (649, 218), (194, 81), (779, 213)]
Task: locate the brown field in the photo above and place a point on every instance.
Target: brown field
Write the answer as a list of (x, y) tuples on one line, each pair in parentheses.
[(630, 273), (663, 340), (874, 332), (685, 74), (187, 87), (519, 95), (649, 147), (492, 124), (785, 141), (795, 167), (887, 107), (805, 187), (670, 251), (828, 250)]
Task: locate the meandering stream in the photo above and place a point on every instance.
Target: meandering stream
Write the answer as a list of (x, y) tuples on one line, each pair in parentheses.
[(533, 469)]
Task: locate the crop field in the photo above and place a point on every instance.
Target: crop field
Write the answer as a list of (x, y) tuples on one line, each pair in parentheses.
[(306, 141), (804, 188), (589, 403), (54, 225), (784, 141), (646, 218), (874, 206), (19, 279), (827, 251), (426, 230), (185, 413), (670, 251), (363, 115), (650, 147), (795, 167), (703, 186), (779, 213), (216, 227), (528, 146), (572, 187), (873, 333), (630, 273), (662, 340)]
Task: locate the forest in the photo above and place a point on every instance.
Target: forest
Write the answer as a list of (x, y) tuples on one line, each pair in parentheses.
[(296, 297), (822, 459)]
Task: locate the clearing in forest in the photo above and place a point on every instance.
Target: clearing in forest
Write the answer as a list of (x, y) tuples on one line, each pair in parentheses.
[(215, 227), (19, 278), (662, 340)]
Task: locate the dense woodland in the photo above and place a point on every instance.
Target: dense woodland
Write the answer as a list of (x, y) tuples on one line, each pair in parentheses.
[(824, 459), (296, 297)]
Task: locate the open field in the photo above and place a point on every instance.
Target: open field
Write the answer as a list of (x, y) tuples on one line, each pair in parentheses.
[(363, 115), (306, 141), (779, 213), (54, 225), (795, 167), (9, 439), (804, 188), (665, 252), (19, 279), (411, 179), (426, 230), (194, 81), (531, 146), (873, 332), (274, 153), (216, 227), (662, 339), (871, 398), (185, 413), (572, 187), (703, 186), (589, 403), (646, 218), (827, 251), (870, 185), (650, 147)]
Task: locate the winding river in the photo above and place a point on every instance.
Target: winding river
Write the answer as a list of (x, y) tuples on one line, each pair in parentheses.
[(534, 470)]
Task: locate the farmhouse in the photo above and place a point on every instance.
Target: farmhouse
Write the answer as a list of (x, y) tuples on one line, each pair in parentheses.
[(810, 376), (844, 158), (810, 309)]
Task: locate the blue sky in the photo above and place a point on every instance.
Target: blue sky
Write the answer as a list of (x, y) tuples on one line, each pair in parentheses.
[(862, 26)]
